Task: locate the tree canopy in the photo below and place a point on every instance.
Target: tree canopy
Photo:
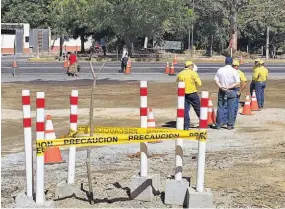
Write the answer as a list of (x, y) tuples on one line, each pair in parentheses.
[(220, 23)]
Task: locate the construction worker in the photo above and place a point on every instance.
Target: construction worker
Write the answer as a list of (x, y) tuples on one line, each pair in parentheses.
[(260, 76), (252, 84), (192, 81), (228, 81), (243, 81)]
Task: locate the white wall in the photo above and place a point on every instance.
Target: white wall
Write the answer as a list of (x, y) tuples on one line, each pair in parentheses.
[(26, 33), (7, 41), (73, 42)]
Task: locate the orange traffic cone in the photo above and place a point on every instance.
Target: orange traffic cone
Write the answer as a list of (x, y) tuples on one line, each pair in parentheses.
[(167, 70), (14, 65), (175, 60), (151, 123), (241, 60), (172, 71), (65, 63), (52, 154), (253, 103), (128, 68), (211, 114), (246, 108)]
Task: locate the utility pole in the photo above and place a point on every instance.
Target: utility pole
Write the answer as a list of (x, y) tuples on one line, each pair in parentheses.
[(189, 39), (192, 31), (61, 36), (267, 43)]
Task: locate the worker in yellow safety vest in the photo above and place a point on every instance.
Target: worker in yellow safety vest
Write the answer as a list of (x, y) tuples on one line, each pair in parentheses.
[(243, 82), (252, 84), (192, 82), (260, 76)]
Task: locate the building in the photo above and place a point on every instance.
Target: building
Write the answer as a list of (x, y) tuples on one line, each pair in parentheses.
[(27, 41)]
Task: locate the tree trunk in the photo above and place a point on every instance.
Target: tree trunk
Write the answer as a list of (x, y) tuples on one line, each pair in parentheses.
[(234, 29), (82, 43)]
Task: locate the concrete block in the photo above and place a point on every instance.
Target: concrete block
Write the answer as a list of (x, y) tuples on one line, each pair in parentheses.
[(22, 201), (63, 190), (175, 191), (145, 188), (199, 199)]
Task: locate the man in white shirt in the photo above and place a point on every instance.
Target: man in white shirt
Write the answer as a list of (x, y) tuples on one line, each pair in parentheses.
[(228, 80)]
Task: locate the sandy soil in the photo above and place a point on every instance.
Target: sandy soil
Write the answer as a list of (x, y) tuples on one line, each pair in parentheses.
[(245, 167)]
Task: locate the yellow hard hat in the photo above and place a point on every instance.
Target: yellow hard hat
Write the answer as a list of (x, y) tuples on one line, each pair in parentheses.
[(236, 63), (261, 62), (257, 60), (188, 63)]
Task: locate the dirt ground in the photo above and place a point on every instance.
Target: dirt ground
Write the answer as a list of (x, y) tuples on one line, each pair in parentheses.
[(245, 167)]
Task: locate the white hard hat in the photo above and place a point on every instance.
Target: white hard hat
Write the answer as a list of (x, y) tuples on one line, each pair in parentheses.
[(195, 68)]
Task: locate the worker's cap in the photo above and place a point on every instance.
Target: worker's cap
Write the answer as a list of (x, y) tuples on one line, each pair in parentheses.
[(236, 63), (261, 62), (228, 61), (188, 63), (257, 60)]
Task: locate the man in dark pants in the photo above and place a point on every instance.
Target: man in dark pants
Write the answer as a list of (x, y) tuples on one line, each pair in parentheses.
[(252, 84), (228, 80), (192, 81), (260, 76)]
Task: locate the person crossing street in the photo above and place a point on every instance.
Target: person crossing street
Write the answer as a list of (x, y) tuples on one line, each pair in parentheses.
[(243, 83), (192, 82), (228, 81), (260, 76)]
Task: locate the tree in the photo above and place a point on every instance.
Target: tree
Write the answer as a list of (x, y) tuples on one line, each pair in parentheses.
[(36, 13)]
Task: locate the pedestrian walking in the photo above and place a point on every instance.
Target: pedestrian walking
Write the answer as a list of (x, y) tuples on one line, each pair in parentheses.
[(73, 67), (260, 76), (243, 82), (103, 45), (228, 80), (252, 84), (192, 82), (124, 59)]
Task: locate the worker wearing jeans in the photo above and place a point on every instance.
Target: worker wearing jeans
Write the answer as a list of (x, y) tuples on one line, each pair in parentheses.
[(192, 81), (228, 80), (252, 84), (260, 75), (243, 82)]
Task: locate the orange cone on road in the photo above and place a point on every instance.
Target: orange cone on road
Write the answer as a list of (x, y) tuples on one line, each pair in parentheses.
[(151, 122), (65, 63), (167, 70), (253, 103), (241, 60), (172, 70), (175, 60), (52, 154), (246, 108), (211, 114), (128, 68), (14, 65)]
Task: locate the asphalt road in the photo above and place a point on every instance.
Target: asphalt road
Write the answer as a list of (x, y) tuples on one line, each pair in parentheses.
[(25, 67)]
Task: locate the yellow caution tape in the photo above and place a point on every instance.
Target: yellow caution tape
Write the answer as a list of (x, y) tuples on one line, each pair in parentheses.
[(112, 139), (123, 130)]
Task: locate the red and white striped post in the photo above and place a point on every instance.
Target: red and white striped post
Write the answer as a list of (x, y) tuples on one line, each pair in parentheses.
[(143, 116), (179, 126), (202, 144), (40, 129), (27, 124), (73, 126)]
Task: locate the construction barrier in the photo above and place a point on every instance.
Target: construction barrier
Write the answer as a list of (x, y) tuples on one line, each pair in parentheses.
[(45, 139), (102, 139)]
